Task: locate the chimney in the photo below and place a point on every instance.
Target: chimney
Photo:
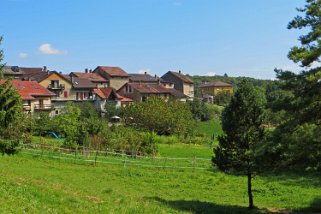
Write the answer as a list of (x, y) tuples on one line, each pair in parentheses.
[(158, 81), (91, 70), (145, 73), (86, 70), (44, 68), (179, 72), (155, 76)]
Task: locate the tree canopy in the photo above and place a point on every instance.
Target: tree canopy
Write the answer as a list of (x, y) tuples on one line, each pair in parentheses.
[(302, 100)]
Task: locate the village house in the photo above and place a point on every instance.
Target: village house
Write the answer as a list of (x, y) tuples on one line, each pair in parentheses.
[(24, 73), (116, 76), (67, 88), (214, 88), (140, 92), (148, 79), (181, 82), (105, 96), (35, 97), (95, 78)]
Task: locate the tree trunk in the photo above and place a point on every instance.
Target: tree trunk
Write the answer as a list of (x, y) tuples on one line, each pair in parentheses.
[(249, 190)]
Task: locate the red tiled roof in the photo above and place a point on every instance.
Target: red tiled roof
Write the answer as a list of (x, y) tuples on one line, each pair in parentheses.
[(216, 84), (125, 99), (30, 89), (182, 77), (103, 93), (113, 71), (94, 77)]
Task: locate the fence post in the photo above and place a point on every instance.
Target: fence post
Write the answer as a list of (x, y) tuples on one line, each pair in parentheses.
[(194, 160), (124, 161), (96, 157)]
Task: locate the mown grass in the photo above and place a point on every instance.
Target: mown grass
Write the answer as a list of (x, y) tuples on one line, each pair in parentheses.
[(43, 185), (185, 151)]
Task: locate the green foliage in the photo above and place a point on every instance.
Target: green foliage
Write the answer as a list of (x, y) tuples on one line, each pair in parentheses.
[(11, 123), (10, 104), (242, 125), (157, 115), (222, 98), (199, 110), (300, 101), (112, 110)]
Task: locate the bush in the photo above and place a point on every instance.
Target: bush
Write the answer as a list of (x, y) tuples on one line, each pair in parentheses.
[(8, 147)]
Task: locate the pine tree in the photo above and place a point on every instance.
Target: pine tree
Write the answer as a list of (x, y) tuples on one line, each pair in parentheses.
[(303, 104), (243, 131)]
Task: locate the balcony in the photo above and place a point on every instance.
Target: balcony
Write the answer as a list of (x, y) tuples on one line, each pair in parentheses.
[(43, 107), (26, 107), (56, 86)]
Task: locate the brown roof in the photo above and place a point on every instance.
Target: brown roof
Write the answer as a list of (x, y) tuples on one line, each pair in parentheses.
[(113, 71), (29, 89), (82, 83), (145, 78), (94, 77), (35, 73), (181, 76), (153, 88), (103, 93), (216, 84)]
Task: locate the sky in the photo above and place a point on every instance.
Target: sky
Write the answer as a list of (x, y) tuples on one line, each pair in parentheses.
[(199, 37)]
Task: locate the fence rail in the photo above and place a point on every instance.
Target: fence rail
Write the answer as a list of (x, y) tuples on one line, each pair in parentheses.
[(109, 157)]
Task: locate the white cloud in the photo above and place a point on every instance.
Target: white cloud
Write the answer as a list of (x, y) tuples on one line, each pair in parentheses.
[(23, 55), (211, 74), (142, 71), (49, 49)]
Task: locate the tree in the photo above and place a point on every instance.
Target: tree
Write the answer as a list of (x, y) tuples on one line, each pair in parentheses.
[(199, 110), (302, 103), (242, 125), (165, 118)]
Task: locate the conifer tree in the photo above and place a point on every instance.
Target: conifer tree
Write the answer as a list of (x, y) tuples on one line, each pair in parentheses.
[(243, 131), (303, 107)]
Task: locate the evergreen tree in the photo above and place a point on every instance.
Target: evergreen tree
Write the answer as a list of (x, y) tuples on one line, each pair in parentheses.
[(243, 132), (302, 103)]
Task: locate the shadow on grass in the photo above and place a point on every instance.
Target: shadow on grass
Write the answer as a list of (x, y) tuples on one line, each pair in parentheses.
[(204, 207), (314, 207)]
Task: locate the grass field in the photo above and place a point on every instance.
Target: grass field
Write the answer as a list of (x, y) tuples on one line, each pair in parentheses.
[(44, 185), (210, 128)]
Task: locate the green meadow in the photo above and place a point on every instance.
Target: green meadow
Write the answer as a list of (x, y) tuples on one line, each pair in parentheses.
[(36, 184)]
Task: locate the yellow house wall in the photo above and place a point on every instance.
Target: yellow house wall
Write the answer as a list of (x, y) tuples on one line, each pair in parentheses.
[(118, 82), (188, 90), (46, 82), (216, 90)]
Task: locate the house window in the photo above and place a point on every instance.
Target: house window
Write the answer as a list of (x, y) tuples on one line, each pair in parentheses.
[(65, 94), (77, 96)]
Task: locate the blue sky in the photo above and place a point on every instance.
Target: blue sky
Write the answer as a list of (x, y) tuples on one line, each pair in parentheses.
[(199, 37)]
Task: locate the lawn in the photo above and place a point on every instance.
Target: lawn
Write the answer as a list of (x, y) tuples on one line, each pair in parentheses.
[(32, 184)]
